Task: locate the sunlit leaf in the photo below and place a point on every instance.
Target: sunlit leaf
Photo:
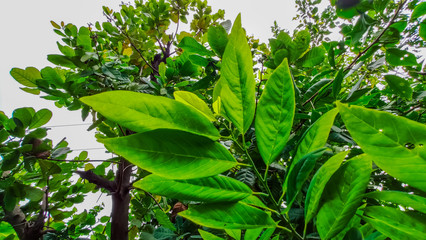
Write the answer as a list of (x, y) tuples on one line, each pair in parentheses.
[(275, 113), (395, 144), (26, 77), (143, 112), (228, 216), (40, 118), (419, 11), (236, 86), (173, 154), (401, 198), (194, 101), (210, 189), (208, 236), (217, 38)]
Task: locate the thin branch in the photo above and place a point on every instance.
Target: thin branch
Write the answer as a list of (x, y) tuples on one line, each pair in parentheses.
[(137, 50), (89, 160), (155, 200), (90, 176), (366, 49)]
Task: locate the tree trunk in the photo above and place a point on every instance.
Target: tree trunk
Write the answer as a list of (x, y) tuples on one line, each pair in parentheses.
[(120, 202)]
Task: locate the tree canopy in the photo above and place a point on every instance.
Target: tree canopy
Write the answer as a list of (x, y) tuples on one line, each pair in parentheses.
[(217, 135)]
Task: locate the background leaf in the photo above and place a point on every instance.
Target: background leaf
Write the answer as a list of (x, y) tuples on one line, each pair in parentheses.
[(399, 86), (401, 198)]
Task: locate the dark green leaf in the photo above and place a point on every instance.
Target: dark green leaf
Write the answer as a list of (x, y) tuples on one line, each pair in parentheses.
[(10, 160), (419, 10), (60, 60), (401, 198), (337, 83), (353, 234), (217, 38), (191, 45), (163, 219), (397, 57), (399, 86)]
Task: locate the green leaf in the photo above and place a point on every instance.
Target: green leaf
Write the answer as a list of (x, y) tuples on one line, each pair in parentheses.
[(24, 115), (228, 216), (9, 200), (10, 160), (252, 233), (34, 91), (143, 112), (353, 234), (61, 60), (53, 76), (316, 136), (33, 194), (236, 86), (399, 86), (210, 189), (395, 144), (163, 219), (234, 233), (299, 173), (173, 154), (275, 114), (401, 198), (342, 196), (397, 57), (422, 30), (191, 45), (419, 11), (301, 42), (40, 118), (337, 83), (194, 101), (208, 236), (380, 5), (318, 183), (217, 38), (266, 235), (26, 77), (314, 57), (396, 224), (55, 25)]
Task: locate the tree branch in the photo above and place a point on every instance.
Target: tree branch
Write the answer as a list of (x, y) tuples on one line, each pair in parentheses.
[(101, 182), (366, 49)]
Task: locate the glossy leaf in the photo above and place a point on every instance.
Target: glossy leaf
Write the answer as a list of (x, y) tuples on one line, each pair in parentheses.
[(234, 233), (342, 196), (316, 136), (399, 86), (395, 144), (26, 77), (398, 57), (211, 189), (143, 112), (208, 236), (422, 30), (194, 101), (228, 216), (217, 38), (236, 86), (353, 234), (396, 224), (299, 173), (419, 11), (40, 118), (173, 154), (275, 113), (253, 233), (401, 198), (318, 183)]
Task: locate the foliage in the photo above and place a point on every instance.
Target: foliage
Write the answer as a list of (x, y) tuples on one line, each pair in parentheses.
[(233, 139)]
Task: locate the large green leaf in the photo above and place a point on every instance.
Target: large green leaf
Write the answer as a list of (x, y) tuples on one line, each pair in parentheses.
[(396, 224), (342, 196), (173, 154), (194, 101), (399, 86), (191, 45), (401, 198), (208, 236), (275, 113), (299, 174), (398, 57), (301, 43), (210, 189), (316, 136), (143, 112), (26, 77), (395, 144), (236, 86), (228, 216), (163, 219), (234, 233), (318, 183)]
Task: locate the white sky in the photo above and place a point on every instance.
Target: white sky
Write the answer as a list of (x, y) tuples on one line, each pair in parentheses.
[(27, 38)]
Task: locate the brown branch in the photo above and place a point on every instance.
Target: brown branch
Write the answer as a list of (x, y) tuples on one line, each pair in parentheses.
[(90, 176), (366, 49), (155, 200)]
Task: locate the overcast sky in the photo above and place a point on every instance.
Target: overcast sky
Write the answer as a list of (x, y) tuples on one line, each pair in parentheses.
[(27, 38)]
